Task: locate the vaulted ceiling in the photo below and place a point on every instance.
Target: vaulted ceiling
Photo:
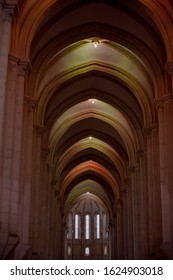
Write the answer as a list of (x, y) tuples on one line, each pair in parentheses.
[(94, 102)]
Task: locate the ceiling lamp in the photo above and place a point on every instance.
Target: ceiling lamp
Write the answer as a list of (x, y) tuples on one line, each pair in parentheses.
[(95, 43), (92, 100)]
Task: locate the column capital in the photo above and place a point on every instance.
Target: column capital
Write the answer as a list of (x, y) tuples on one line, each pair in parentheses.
[(147, 130), (169, 67), (45, 152), (133, 168), (127, 183), (14, 58), (32, 104), (167, 98), (24, 67), (13, 62), (158, 104), (39, 130), (141, 153), (10, 8), (123, 193)]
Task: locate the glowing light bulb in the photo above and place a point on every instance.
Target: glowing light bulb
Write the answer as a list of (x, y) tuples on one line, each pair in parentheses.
[(90, 137), (95, 43)]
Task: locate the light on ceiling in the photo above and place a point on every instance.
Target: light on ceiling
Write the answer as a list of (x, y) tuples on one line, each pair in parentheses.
[(92, 101), (95, 43)]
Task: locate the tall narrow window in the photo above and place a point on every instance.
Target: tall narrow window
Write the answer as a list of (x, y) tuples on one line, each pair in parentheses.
[(69, 229), (76, 234), (105, 250), (97, 226), (69, 250), (87, 226), (87, 251)]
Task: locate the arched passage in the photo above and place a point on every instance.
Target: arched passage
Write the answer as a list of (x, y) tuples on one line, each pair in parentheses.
[(86, 107)]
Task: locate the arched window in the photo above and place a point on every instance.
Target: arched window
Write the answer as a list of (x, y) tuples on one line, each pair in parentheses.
[(97, 226), (87, 223), (69, 250), (87, 251), (69, 227), (87, 226), (76, 232), (105, 250)]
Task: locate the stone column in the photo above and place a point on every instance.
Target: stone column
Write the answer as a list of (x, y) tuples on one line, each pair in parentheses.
[(8, 144), (17, 143), (164, 107), (60, 228), (154, 197), (120, 231), (134, 170), (49, 218), (1, 18), (168, 126), (168, 110), (113, 239), (163, 180), (25, 193), (125, 221), (143, 204), (36, 186), (52, 224), (128, 222), (6, 15), (5, 36)]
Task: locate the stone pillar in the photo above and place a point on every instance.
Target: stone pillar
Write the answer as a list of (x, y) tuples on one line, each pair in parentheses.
[(113, 239), (59, 229), (134, 170), (36, 186), (123, 195), (128, 219), (120, 231), (25, 191), (43, 205), (6, 15), (168, 126), (1, 18), (164, 107), (5, 36), (154, 197), (52, 224), (50, 196), (143, 204), (12, 167), (163, 180), (166, 150), (8, 143), (17, 143)]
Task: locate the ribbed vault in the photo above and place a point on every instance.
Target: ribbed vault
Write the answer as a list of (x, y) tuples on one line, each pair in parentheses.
[(93, 103)]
